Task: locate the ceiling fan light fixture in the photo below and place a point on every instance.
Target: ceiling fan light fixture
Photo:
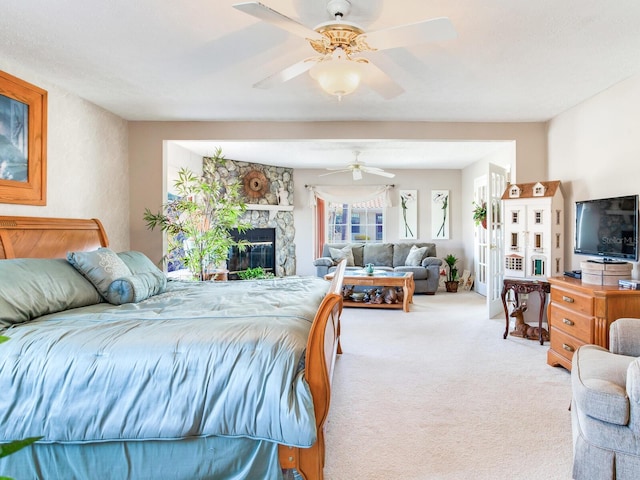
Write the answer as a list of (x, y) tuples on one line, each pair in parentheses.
[(338, 75)]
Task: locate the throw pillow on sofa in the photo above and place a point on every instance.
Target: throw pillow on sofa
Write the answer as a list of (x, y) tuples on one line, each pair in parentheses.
[(338, 254), (416, 254)]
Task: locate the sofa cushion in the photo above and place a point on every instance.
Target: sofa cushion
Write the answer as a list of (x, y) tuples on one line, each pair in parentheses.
[(415, 256), (401, 251), (32, 287), (598, 380), (338, 254), (378, 254), (419, 272)]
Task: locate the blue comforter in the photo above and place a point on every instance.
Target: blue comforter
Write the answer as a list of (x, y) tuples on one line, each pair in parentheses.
[(213, 358)]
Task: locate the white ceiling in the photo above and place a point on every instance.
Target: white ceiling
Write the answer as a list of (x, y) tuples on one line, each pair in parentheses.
[(512, 61), (338, 153)]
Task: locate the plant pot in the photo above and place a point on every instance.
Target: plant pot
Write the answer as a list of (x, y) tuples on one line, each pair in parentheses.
[(451, 286), (484, 223)]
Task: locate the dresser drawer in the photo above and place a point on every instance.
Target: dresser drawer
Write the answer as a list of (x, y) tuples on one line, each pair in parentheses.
[(564, 344), (573, 323), (572, 300)]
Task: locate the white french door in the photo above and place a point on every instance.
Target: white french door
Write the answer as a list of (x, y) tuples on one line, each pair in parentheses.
[(489, 242)]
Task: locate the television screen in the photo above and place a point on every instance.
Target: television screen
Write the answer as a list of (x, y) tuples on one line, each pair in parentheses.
[(608, 227)]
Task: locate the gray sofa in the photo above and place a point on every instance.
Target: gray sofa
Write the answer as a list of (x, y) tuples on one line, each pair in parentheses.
[(390, 257), (605, 409)]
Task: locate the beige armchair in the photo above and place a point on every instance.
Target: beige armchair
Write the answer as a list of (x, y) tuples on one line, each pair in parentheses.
[(605, 409)]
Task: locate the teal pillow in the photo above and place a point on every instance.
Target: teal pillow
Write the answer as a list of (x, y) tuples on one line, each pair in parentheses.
[(32, 287), (100, 267), (138, 262), (135, 288)]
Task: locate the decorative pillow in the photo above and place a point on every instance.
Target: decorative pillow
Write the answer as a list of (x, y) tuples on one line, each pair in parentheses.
[(414, 259), (135, 288), (32, 287), (138, 262), (338, 254), (100, 267)]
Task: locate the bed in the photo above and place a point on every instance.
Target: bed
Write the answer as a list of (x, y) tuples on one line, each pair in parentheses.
[(144, 378)]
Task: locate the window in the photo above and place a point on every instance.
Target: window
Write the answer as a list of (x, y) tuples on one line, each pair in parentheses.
[(537, 217), (537, 241), (515, 216), (359, 222), (514, 241)]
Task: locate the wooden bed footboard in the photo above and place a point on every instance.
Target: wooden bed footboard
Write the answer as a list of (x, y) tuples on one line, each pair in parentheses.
[(323, 346)]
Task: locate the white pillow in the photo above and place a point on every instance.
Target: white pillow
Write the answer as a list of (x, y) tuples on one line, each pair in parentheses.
[(414, 259), (338, 254)]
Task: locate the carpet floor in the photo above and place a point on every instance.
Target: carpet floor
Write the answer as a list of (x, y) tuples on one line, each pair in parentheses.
[(437, 393)]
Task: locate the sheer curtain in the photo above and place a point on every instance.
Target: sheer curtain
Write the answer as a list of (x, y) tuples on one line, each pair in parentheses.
[(349, 193)]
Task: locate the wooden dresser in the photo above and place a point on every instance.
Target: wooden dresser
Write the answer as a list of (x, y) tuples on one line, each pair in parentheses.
[(581, 313)]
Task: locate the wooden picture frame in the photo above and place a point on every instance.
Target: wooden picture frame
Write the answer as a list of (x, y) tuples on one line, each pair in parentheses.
[(23, 142)]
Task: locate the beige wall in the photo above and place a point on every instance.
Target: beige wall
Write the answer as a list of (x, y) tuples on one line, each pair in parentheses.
[(146, 156), (594, 149), (87, 163)]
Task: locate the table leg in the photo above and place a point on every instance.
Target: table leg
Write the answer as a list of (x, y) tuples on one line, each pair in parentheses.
[(543, 298)]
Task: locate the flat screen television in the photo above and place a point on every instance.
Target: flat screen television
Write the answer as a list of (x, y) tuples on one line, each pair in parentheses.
[(608, 228)]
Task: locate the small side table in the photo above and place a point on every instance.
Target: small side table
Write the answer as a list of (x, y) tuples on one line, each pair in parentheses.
[(525, 286)]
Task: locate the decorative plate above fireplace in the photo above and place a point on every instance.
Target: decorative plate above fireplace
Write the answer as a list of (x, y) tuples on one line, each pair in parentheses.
[(255, 184)]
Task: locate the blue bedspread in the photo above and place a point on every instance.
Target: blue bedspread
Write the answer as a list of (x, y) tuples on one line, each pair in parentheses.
[(212, 358)]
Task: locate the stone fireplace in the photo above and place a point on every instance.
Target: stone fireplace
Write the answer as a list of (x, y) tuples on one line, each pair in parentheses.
[(264, 212)]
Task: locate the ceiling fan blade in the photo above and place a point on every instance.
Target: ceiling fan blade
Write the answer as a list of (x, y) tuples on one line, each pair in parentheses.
[(357, 174), (287, 74), (267, 14), (382, 173), (380, 82), (434, 30), (334, 171)]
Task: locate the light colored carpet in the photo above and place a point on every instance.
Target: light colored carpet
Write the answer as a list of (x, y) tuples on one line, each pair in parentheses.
[(437, 393)]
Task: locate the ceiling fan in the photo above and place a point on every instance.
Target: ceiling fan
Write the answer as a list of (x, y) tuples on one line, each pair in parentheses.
[(356, 169), (338, 69)]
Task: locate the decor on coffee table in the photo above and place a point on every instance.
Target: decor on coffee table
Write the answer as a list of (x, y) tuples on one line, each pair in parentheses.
[(200, 219), (383, 289), (451, 284)]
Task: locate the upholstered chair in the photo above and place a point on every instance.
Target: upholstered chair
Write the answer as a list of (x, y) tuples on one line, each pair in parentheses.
[(605, 409)]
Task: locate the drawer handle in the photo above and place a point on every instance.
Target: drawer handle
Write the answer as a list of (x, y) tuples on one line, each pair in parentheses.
[(566, 321), (567, 299), (568, 348)]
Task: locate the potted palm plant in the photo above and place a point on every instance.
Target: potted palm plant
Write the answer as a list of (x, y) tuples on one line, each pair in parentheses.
[(451, 283), (199, 219), (480, 214)]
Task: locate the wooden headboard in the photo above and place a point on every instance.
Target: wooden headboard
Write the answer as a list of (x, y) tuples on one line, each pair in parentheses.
[(38, 237)]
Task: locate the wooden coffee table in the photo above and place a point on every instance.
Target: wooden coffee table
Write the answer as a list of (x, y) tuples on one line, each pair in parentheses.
[(380, 279)]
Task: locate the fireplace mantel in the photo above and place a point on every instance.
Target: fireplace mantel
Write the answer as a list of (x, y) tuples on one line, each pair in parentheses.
[(273, 209)]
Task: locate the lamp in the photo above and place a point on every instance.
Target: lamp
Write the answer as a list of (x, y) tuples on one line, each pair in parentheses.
[(338, 75)]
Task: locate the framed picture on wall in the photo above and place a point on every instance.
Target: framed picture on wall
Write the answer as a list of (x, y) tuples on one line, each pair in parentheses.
[(23, 142), (440, 214), (408, 214)]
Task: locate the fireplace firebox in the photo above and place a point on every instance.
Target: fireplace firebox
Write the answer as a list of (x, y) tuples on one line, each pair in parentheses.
[(260, 253)]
